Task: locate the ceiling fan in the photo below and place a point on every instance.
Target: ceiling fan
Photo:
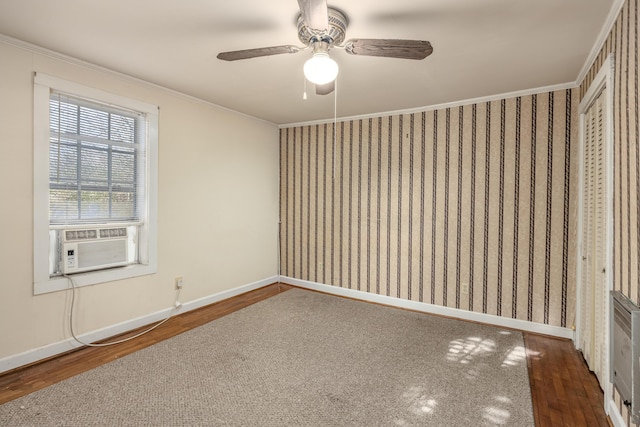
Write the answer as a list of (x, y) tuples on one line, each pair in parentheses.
[(322, 28)]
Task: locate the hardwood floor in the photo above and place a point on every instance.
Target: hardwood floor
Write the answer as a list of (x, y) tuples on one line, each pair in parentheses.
[(563, 390)]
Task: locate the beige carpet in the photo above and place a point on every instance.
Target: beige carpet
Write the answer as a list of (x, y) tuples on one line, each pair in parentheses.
[(301, 359)]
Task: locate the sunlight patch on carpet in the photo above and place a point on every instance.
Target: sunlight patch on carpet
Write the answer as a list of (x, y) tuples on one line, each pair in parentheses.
[(419, 402), (465, 350)]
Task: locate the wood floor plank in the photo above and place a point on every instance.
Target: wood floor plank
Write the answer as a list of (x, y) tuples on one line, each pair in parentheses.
[(563, 390)]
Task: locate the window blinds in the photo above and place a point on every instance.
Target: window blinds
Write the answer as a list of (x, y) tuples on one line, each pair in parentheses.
[(96, 162)]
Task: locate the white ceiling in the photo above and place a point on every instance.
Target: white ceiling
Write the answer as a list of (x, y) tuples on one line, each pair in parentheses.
[(481, 48)]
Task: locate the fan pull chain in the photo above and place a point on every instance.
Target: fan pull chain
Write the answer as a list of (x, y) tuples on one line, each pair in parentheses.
[(335, 124), (304, 94)]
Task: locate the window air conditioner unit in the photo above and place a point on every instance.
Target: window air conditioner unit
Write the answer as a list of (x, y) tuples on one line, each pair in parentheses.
[(93, 249)]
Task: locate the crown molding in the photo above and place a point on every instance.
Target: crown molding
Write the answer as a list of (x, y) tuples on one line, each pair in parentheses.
[(498, 97), (600, 41), (98, 68)]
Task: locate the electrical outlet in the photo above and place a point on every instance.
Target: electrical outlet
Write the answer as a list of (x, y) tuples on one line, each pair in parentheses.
[(178, 282), (464, 288)]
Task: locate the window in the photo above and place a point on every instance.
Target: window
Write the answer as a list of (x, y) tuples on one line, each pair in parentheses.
[(96, 162), (95, 207)]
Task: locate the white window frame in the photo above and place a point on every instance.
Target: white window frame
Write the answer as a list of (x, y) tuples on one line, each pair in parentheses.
[(148, 232)]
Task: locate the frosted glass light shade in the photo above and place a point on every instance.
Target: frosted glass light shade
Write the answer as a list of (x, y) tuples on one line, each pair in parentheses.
[(320, 68)]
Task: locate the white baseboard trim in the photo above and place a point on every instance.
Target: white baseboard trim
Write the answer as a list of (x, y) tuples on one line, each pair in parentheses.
[(490, 319), (614, 414), (192, 305), (40, 353)]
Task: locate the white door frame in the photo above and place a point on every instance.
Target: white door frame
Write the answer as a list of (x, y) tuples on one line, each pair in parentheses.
[(604, 79)]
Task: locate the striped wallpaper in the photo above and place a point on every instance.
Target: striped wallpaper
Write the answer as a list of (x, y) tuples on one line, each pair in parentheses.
[(622, 42), (472, 207)]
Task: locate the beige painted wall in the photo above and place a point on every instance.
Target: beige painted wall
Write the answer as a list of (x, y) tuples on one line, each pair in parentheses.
[(217, 209)]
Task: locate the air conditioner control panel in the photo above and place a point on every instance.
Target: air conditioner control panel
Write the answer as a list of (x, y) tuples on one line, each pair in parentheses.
[(71, 258)]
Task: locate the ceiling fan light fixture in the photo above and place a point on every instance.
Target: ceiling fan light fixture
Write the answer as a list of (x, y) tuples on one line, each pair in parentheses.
[(321, 68)]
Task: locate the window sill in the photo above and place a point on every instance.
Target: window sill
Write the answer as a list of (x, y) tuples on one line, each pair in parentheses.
[(59, 283)]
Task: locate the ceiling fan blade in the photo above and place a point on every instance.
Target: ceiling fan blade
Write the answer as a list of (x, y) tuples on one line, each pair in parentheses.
[(326, 88), (389, 48), (315, 14), (255, 53)]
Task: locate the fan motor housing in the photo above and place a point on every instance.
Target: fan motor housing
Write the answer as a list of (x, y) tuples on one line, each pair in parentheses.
[(335, 35)]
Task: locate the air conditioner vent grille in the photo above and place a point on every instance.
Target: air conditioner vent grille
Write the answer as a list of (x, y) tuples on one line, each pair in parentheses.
[(113, 232), (71, 235), (95, 233)]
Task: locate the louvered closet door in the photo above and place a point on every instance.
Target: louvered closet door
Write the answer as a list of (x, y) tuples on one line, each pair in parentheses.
[(593, 288)]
